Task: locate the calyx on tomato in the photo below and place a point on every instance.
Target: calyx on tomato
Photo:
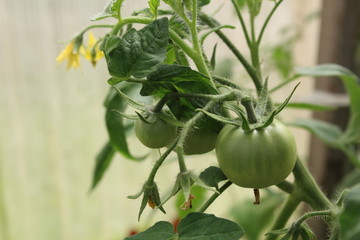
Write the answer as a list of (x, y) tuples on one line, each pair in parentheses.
[(154, 131), (258, 158)]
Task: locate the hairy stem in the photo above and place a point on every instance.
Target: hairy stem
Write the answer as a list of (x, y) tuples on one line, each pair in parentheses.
[(249, 69), (215, 196), (286, 211), (310, 190)]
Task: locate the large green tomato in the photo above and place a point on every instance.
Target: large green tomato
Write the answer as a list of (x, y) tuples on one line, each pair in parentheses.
[(256, 159), (157, 134), (199, 141)]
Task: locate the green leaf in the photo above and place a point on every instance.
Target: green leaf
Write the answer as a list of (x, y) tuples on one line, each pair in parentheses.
[(351, 83), (202, 3), (214, 30), (178, 79), (349, 218), (111, 9), (160, 231), (115, 127), (212, 176), (103, 160), (330, 135), (310, 106), (153, 6), (138, 53), (201, 226)]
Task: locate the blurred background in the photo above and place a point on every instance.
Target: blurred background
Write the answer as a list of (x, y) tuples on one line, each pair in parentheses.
[(52, 120)]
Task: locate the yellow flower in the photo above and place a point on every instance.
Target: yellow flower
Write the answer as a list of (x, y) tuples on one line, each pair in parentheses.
[(71, 54), (92, 52)]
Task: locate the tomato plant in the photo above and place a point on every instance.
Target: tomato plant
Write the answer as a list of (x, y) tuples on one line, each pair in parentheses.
[(258, 158), (166, 61)]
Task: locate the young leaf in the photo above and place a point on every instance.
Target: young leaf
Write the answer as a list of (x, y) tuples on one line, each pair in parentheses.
[(138, 53), (111, 9), (153, 6), (212, 176), (103, 160), (349, 218)]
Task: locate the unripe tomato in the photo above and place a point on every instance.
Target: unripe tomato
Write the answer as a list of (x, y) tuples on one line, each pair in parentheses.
[(157, 134), (199, 141), (256, 159)]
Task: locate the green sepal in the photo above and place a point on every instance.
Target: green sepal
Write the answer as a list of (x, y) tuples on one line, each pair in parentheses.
[(245, 123), (130, 101), (271, 117), (151, 197), (170, 118), (146, 117), (220, 118), (236, 109), (124, 115)]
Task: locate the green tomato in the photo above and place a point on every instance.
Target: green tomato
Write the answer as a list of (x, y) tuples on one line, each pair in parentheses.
[(156, 134), (199, 141), (256, 159)]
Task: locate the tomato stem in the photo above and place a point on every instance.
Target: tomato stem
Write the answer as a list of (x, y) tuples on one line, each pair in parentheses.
[(247, 102), (215, 196), (257, 196)]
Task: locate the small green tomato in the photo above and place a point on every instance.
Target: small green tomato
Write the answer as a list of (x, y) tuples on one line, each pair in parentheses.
[(256, 159), (156, 134)]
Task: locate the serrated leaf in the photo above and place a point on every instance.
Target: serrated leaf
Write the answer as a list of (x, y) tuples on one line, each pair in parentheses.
[(330, 135), (212, 176), (349, 218), (201, 226), (138, 53), (351, 83), (103, 160), (111, 9), (160, 231)]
